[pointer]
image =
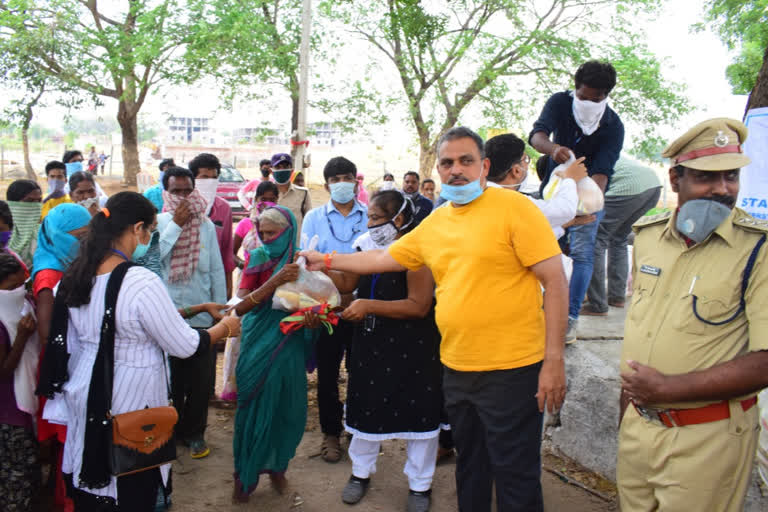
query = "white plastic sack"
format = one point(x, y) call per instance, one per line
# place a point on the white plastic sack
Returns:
point(312, 288)
point(567, 267)
point(590, 196)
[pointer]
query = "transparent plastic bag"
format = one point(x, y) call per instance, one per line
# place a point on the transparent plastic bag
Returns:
point(590, 196)
point(312, 288)
point(231, 354)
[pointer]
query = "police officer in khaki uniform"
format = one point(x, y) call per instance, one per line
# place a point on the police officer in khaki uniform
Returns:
point(696, 337)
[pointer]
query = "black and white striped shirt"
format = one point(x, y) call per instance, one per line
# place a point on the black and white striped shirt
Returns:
point(147, 323)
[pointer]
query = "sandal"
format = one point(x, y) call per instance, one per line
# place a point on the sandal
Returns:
point(330, 450)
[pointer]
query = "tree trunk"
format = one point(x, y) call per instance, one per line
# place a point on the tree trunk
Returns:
point(128, 120)
point(759, 95)
point(427, 156)
point(25, 145)
point(28, 113)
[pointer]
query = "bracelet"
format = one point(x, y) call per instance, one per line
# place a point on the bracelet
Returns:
point(254, 301)
point(327, 258)
point(187, 312)
point(229, 331)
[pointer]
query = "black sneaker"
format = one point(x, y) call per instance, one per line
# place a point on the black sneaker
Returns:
point(354, 490)
point(419, 501)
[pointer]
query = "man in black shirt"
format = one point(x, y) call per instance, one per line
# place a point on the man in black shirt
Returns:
point(582, 123)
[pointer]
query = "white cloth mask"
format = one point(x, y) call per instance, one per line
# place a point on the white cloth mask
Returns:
point(588, 114)
point(207, 188)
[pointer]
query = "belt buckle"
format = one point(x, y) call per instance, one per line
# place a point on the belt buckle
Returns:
point(654, 415)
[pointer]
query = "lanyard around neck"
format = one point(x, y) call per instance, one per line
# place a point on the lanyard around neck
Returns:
point(355, 229)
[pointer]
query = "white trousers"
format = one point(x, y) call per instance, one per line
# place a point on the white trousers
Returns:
point(419, 468)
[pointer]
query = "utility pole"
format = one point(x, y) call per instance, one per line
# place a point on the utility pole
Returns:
point(300, 136)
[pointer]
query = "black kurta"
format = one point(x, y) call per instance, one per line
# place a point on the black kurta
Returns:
point(395, 370)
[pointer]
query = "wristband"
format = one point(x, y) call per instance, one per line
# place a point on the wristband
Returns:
point(328, 259)
point(187, 312)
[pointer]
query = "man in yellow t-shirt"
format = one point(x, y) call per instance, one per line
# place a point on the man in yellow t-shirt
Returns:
point(490, 253)
point(56, 172)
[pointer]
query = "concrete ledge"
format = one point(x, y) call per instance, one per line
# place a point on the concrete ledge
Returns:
point(588, 428)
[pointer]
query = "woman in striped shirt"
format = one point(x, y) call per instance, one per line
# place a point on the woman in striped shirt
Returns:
point(146, 325)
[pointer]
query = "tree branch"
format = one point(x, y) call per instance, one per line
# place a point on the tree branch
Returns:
point(91, 5)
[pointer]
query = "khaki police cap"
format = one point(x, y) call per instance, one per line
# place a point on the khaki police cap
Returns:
point(714, 145)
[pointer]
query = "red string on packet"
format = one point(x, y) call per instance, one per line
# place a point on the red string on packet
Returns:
point(295, 321)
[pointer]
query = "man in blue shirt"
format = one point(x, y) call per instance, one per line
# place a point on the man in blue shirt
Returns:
point(337, 225)
point(191, 278)
point(422, 205)
point(581, 123)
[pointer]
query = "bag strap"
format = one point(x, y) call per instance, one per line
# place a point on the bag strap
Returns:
point(107, 340)
point(95, 470)
point(108, 330)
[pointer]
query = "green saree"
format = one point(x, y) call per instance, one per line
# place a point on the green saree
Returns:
point(271, 377)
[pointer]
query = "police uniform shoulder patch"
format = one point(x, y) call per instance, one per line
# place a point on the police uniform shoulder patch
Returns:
point(746, 221)
point(650, 220)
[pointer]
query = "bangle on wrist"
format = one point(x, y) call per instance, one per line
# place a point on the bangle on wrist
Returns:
point(328, 258)
point(253, 301)
point(187, 312)
point(229, 331)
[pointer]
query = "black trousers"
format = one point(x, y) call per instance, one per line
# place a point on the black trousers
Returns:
point(190, 389)
point(135, 493)
point(330, 352)
point(496, 424)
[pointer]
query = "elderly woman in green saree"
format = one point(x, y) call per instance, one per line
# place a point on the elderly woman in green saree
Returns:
point(270, 372)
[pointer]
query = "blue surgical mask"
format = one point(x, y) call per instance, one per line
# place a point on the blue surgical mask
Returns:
point(342, 192)
point(73, 167)
point(461, 194)
point(141, 250)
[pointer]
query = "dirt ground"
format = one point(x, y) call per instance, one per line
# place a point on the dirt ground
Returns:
point(315, 486)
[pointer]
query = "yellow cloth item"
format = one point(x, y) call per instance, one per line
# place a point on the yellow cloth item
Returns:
point(489, 303)
point(53, 203)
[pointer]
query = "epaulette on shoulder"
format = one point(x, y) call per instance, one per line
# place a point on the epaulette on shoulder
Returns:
point(650, 220)
point(746, 221)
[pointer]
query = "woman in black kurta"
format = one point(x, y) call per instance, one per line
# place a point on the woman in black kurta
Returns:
point(394, 389)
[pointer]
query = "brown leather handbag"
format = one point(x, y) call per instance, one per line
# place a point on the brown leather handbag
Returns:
point(142, 439)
